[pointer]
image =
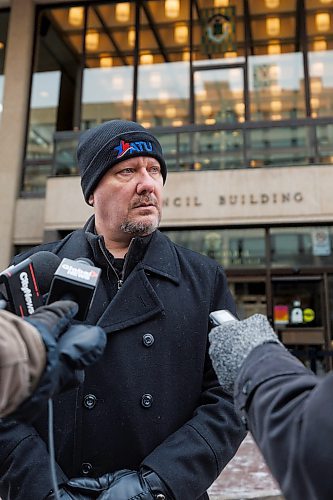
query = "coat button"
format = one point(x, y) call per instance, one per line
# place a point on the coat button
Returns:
point(246, 387)
point(89, 401)
point(86, 467)
point(148, 339)
point(147, 400)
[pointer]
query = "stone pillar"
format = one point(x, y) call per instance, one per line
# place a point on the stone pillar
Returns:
point(13, 123)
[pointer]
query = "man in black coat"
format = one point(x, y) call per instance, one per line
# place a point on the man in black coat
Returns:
point(150, 420)
point(287, 408)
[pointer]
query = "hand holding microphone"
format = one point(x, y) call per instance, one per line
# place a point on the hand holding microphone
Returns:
point(24, 285)
point(48, 337)
point(42, 354)
point(232, 341)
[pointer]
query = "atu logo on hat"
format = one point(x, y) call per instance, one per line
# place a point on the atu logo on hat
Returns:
point(132, 147)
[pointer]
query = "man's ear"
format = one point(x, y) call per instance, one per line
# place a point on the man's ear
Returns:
point(91, 200)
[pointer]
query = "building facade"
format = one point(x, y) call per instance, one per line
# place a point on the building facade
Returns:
point(240, 94)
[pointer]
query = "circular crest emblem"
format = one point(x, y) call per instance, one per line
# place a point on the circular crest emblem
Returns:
point(218, 28)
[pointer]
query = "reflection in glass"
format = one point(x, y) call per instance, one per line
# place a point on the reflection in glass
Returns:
point(35, 176)
point(219, 150)
point(106, 94)
point(163, 73)
point(306, 246)
point(321, 83)
point(231, 248)
point(276, 85)
point(107, 85)
point(54, 83)
point(43, 113)
point(297, 303)
point(163, 94)
point(250, 298)
point(280, 146)
point(219, 96)
point(325, 143)
point(65, 162)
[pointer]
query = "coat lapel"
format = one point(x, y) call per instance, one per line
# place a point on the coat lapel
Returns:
point(134, 303)
point(137, 300)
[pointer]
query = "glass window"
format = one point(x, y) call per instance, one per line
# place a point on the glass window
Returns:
point(276, 73)
point(54, 86)
point(319, 24)
point(299, 319)
point(321, 83)
point(107, 88)
point(273, 27)
point(280, 146)
point(304, 246)
point(250, 297)
point(163, 73)
point(297, 303)
point(325, 143)
point(65, 154)
point(231, 248)
point(217, 150)
point(219, 96)
point(276, 87)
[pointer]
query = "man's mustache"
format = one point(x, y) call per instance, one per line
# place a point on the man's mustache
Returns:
point(144, 201)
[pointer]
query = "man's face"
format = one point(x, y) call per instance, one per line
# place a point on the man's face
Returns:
point(128, 198)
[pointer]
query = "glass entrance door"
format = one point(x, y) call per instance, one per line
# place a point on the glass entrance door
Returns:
point(249, 295)
point(300, 318)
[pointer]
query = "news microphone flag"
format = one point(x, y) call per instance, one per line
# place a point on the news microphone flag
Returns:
point(75, 280)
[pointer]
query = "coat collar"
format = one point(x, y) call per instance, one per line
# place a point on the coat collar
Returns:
point(156, 251)
point(161, 258)
point(125, 310)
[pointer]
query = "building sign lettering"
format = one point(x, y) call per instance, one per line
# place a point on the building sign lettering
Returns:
point(260, 199)
point(178, 201)
point(236, 199)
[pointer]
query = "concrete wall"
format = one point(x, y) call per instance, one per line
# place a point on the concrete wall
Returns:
point(13, 124)
point(253, 196)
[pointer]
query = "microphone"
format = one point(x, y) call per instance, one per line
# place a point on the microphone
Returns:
point(220, 317)
point(75, 280)
point(19, 283)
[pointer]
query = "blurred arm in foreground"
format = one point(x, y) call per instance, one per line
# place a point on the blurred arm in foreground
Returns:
point(40, 356)
point(288, 409)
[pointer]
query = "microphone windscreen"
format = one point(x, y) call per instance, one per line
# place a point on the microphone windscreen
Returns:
point(45, 265)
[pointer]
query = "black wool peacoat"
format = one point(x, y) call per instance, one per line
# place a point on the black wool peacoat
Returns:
point(153, 399)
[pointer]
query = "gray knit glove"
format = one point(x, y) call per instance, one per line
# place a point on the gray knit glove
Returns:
point(231, 342)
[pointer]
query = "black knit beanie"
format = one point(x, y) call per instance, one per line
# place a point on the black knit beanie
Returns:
point(110, 143)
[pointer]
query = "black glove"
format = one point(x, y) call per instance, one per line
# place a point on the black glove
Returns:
point(124, 484)
point(64, 494)
point(68, 348)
